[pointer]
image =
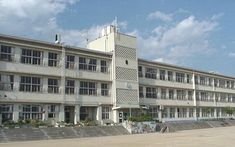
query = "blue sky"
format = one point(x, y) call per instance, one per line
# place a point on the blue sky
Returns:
point(192, 33)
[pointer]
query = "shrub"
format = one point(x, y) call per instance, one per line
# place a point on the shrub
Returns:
point(141, 118)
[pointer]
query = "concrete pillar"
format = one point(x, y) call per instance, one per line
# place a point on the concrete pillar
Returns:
point(158, 73)
point(176, 112)
point(76, 114)
point(44, 84)
point(17, 55)
point(115, 116)
point(174, 76)
point(15, 117)
point(187, 115)
point(195, 113)
point(215, 112)
point(16, 86)
point(61, 113)
point(45, 58)
point(200, 112)
point(99, 113)
point(45, 113)
point(160, 115)
point(175, 94)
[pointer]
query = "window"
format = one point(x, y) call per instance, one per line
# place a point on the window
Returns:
point(151, 73)
point(189, 77)
point(51, 111)
point(232, 85)
point(53, 86)
point(170, 75)
point(70, 86)
point(92, 65)
point(202, 80)
point(103, 66)
point(164, 112)
point(191, 112)
point(6, 53)
point(82, 63)
point(216, 83)
point(140, 71)
point(182, 112)
point(151, 92)
point(105, 112)
point(223, 97)
point(6, 112)
point(163, 93)
point(70, 61)
point(104, 89)
point(196, 79)
point(84, 113)
point(228, 84)
point(180, 77)
point(153, 112)
point(181, 95)
point(171, 94)
point(204, 96)
point(162, 74)
point(172, 112)
point(190, 95)
point(88, 88)
point(6, 82)
point(210, 81)
point(31, 112)
point(31, 56)
point(222, 83)
point(52, 59)
point(141, 92)
point(30, 84)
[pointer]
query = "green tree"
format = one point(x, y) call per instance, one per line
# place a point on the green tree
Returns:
point(229, 110)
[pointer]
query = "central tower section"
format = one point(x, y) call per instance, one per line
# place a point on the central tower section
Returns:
point(124, 66)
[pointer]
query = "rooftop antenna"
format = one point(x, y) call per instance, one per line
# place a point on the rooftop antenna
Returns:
point(116, 23)
point(87, 38)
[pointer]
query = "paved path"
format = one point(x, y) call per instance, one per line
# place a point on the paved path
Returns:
point(213, 137)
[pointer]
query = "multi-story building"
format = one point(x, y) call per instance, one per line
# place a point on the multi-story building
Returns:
point(56, 82)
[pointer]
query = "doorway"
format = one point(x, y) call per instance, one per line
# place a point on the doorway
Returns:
point(69, 114)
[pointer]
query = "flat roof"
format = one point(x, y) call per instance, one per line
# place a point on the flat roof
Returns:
point(184, 68)
point(58, 46)
point(54, 45)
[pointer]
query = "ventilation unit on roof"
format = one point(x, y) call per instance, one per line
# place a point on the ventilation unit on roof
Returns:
point(57, 38)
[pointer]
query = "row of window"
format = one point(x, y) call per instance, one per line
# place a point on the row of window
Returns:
point(208, 81)
point(151, 73)
point(35, 57)
point(173, 112)
point(27, 112)
point(180, 94)
point(152, 92)
point(34, 84)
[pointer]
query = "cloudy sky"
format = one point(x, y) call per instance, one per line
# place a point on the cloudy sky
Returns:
point(193, 33)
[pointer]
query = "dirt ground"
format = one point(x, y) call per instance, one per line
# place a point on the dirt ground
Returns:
point(213, 137)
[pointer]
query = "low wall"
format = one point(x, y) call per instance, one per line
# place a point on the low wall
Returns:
point(140, 127)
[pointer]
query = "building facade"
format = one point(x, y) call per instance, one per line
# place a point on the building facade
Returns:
point(107, 82)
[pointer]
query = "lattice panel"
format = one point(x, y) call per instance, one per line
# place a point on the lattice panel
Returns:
point(126, 74)
point(127, 96)
point(125, 52)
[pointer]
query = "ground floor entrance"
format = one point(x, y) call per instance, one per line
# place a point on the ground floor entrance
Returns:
point(69, 114)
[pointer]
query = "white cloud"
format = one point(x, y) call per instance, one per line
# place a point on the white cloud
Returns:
point(183, 40)
point(38, 19)
point(231, 54)
point(161, 16)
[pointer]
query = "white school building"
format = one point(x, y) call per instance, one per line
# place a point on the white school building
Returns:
point(105, 82)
